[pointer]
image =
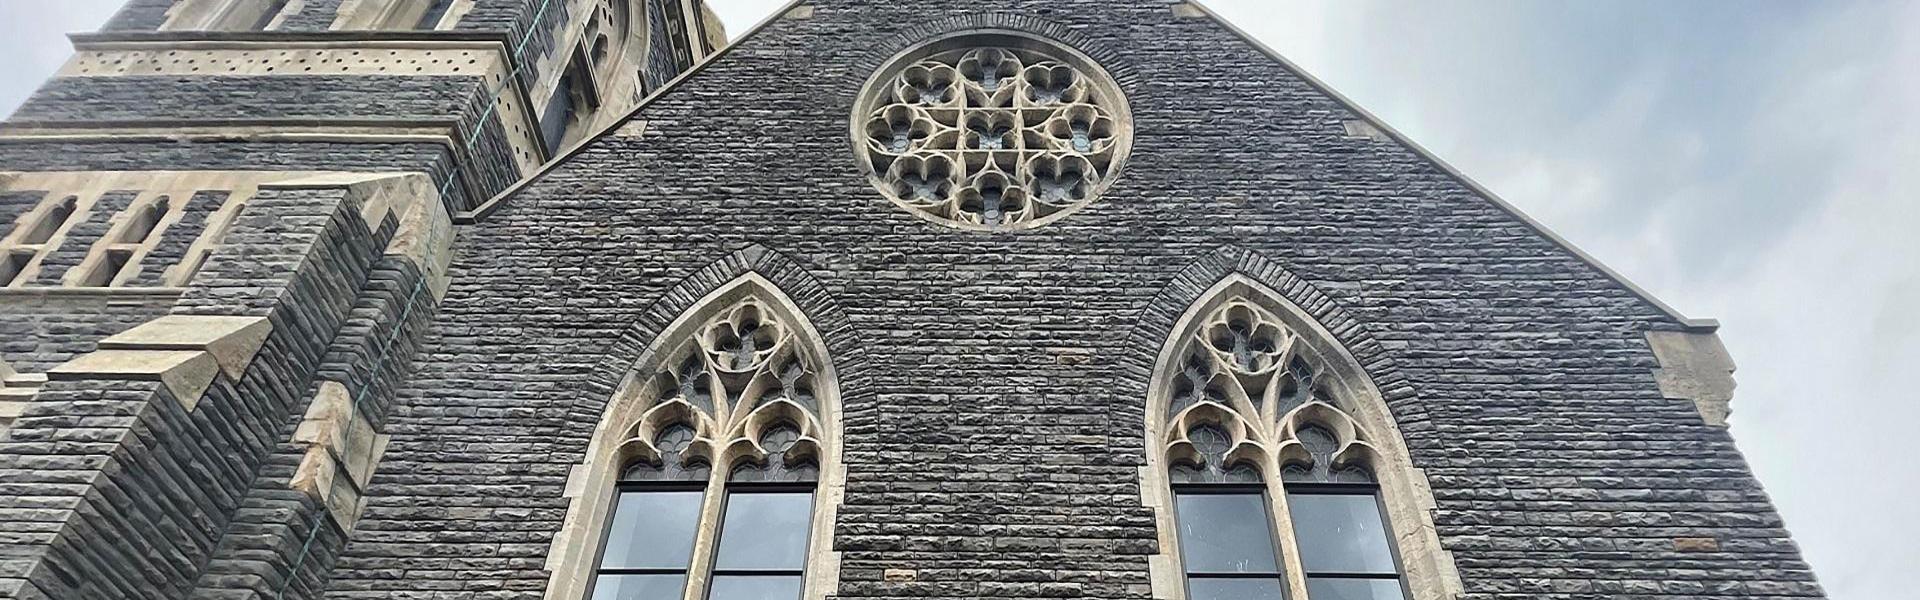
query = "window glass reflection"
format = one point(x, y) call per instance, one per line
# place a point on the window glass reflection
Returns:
point(652, 530)
point(1225, 533)
point(1341, 533)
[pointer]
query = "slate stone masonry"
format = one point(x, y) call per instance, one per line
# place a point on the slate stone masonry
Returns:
point(992, 383)
point(979, 463)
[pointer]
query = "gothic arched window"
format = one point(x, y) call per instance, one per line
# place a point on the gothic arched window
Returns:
point(716, 474)
point(992, 131)
point(1275, 469)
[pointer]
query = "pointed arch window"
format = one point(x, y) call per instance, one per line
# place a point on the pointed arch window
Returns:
point(719, 464)
point(1276, 469)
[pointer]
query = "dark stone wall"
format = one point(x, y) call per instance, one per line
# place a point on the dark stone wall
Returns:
point(230, 97)
point(533, 25)
point(140, 15)
point(112, 155)
point(39, 332)
point(480, 134)
point(128, 494)
point(278, 531)
point(975, 456)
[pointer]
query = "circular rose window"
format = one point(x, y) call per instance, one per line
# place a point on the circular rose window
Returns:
point(992, 132)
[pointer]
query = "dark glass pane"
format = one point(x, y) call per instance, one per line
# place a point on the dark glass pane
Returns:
point(1341, 533)
point(766, 531)
point(435, 12)
point(1225, 533)
point(755, 587)
point(639, 587)
point(1324, 588)
point(1233, 589)
point(652, 530)
point(553, 121)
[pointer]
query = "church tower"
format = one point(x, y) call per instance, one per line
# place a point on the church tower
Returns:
point(573, 299)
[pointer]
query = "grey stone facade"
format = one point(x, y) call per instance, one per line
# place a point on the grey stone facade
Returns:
point(993, 384)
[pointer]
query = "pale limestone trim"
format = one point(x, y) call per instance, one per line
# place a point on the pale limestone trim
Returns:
point(87, 187)
point(186, 373)
point(487, 60)
point(182, 351)
point(1372, 437)
point(709, 33)
point(380, 14)
point(553, 65)
point(425, 236)
point(380, 195)
point(616, 82)
point(223, 15)
point(232, 340)
point(574, 551)
point(10, 411)
point(343, 451)
point(1695, 367)
point(16, 393)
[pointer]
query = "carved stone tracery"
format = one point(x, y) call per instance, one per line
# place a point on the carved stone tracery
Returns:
point(992, 133)
point(1245, 397)
point(1252, 390)
point(738, 393)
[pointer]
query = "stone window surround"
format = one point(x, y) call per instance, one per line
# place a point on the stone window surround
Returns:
point(395, 14)
point(223, 15)
point(1429, 569)
point(85, 188)
point(591, 485)
point(616, 89)
point(1114, 100)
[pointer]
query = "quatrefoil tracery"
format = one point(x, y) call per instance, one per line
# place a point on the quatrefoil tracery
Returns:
point(1244, 399)
point(739, 393)
point(992, 137)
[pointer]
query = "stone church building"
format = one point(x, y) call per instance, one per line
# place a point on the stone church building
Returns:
point(903, 299)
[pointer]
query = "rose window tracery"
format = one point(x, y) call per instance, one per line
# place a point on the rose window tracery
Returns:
point(992, 133)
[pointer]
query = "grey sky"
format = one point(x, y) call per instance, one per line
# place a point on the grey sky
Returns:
point(1755, 162)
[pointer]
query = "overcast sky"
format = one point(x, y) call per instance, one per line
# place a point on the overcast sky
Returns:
point(1752, 161)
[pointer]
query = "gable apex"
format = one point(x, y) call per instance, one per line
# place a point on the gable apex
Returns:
point(1376, 127)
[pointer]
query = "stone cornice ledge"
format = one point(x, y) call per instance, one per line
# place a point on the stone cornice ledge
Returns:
point(184, 352)
point(1695, 366)
point(80, 40)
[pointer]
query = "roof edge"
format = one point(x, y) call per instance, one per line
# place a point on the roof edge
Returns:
point(481, 211)
point(484, 209)
point(1692, 324)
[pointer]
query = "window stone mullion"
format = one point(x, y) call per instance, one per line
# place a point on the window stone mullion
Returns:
point(706, 541)
point(1291, 562)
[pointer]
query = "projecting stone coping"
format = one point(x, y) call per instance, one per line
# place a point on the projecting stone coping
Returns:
point(343, 449)
point(231, 340)
point(186, 373)
point(184, 352)
point(1696, 367)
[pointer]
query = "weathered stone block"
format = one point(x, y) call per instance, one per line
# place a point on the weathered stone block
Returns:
point(233, 341)
point(186, 373)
